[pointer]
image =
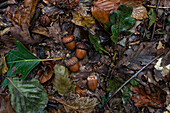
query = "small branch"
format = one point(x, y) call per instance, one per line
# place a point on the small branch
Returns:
point(50, 59)
point(53, 98)
point(159, 7)
point(132, 77)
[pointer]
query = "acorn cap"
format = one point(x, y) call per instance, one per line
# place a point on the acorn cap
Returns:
point(82, 46)
point(68, 39)
point(71, 61)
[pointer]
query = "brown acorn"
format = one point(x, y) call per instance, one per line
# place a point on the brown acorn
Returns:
point(45, 20)
point(69, 42)
point(92, 82)
point(73, 64)
point(81, 50)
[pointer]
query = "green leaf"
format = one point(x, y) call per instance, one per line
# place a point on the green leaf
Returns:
point(115, 35)
point(95, 40)
point(20, 61)
point(126, 11)
point(134, 82)
point(126, 91)
point(62, 83)
point(107, 25)
point(126, 94)
point(129, 22)
point(27, 96)
point(152, 16)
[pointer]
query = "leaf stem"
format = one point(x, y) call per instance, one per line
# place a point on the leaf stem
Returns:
point(50, 59)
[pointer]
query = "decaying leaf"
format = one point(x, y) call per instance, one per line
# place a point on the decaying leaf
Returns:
point(62, 83)
point(19, 62)
point(47, 73)
point(82, 18)
point(83, 104)
point(69, 4)
point(21, 17)
point(152, 96)
point(162, 67)
point(27, 96)
point(3, 66)
point(81, 92)
point(5, 104)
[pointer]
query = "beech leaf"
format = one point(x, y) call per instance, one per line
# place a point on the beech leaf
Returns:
point(20, 61)
point(62, 83)
point(27, 96)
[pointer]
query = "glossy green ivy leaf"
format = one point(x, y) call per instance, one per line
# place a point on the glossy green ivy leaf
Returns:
point(152, 16)
point(62, 83)
point(20, 61)
point(27, 96)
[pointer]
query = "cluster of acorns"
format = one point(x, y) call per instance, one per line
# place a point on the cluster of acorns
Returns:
point(73, 64)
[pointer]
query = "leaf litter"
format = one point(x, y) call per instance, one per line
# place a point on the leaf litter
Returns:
point(107, 57)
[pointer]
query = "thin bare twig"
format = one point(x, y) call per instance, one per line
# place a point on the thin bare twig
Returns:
point(53, 98)
point(154, 27)
point(132, 77)
point(160, 7)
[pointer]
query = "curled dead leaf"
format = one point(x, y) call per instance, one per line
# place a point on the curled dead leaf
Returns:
point(47, 73)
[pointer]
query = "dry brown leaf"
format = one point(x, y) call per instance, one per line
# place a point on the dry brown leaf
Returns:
point(101, 9)
point(152, 96)
point(82, 18)
point(83, 104)
point(47, 73)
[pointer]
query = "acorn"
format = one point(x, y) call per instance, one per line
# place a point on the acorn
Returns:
point(81, 50)
point(69, 42)
point(45, 20)
point(73, 64)
point(92, 82)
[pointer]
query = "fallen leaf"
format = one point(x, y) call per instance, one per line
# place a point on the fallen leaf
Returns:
point(162, 67)
point(3, 66)
point(81, 92)
point(83, 104)
point(69, 4)
point(47, 73)
point(82, 18)
point(62, 83)
point(5, 104)
point(23, 63)
point(139, 11)
point(152, 96)
point(152, 16)
point(27, 96)
point(101, 9)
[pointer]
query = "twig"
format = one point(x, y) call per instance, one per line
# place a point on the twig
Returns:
point(53, 98)
point(154, 27)
point(132, 77)
point(160, 7)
